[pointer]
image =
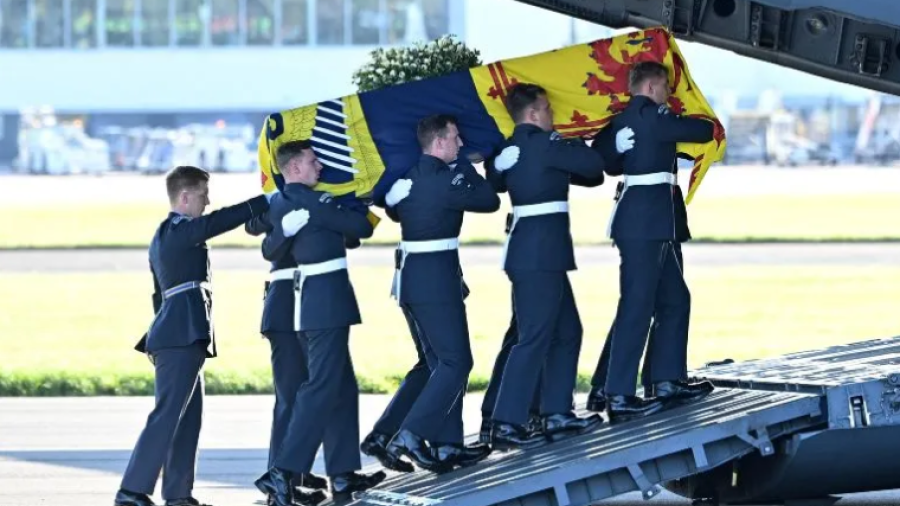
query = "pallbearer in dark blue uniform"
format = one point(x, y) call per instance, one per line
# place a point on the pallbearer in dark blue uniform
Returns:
point(289, 353)
point(428, 281)
point(538, 255)
point(326, 410)
point(495, 177)
point(496, 169)
point(375, 443)
point(611, 144)
point(648, 224)
point(180, 338)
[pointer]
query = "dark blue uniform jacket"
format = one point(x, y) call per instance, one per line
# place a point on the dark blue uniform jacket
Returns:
point(654, 212)
point(328, 299)
point(434, 210)
point(547, 165)
point(179, 254)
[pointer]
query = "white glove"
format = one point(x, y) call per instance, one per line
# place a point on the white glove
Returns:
point(398, 192)
point(624, 139)
point(507, 158)
point(294, 221)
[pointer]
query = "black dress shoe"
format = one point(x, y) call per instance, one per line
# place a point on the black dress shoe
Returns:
point(596, 400)
point(484, 435)
point(681, 392)
point(461, 455)
point(128, 498)
point(407, 444)
point(375, 445)
point(510, 436)
point(622, 408)
point(535, 424)
point(561, 425)
point(343, 485)
point(311, 481)
point(308, 480)
point(185, 501)
point(285, 494)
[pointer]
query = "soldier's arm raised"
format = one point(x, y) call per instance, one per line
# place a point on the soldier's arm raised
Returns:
point(392, 213)
point(466, 190)
point(331, 215)
point(573, 157)
point(190, 232)
point(670, 127)
point(472, 174)
point(495, 177)
point(258, 225)
point(276, 245)
point(589, 182)
point(605, 144)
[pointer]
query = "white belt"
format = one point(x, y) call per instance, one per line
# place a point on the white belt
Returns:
point(407, 247)
point(282, 274)
point(528, 211)
point(183, 287)
point(303, 271)
point(653, 178)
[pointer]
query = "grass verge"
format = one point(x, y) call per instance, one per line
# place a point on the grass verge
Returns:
point(77, 339)
point(756, 218)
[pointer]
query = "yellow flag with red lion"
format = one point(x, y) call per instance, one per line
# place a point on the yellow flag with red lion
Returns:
point(368, 140)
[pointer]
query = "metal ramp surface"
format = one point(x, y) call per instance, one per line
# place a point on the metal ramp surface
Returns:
point(859, 382)
point(859, 388)
point(634, 456)
point(813, 371)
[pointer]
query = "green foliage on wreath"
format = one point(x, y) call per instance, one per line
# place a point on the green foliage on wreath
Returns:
point(441, 56)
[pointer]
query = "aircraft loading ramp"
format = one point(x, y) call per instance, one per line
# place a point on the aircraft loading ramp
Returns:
point(801, 426)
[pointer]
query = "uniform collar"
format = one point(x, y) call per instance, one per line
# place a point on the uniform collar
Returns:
point(433, 161)
point(642, 100)
point(176, 216)
point(296, 189)
point(527, 128)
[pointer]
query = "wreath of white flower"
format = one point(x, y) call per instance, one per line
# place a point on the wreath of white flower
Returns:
point(388, 67)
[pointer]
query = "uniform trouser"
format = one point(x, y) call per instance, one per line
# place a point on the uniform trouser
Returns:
point(326, 409)
point(651, 285)
point(550, 336)
point(289, 371)
point(490, 396)
point(169, 440)
point(443, 330)
point(409, 389)
point(602, 370)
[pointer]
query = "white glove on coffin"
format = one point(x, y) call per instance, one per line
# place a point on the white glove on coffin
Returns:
point(294, 221)
point(624, 139)
point(399, 191)
point(507, 158)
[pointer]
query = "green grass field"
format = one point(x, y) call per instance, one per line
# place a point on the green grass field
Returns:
point(79, 340)
point(737, 218)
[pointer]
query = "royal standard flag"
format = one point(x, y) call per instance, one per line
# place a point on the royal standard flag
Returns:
point(367, 141)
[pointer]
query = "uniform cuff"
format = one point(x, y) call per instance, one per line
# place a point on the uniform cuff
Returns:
point(258, 205)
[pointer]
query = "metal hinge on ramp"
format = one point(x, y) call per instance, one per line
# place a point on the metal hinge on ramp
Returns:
point(648, 490)
point(761, 442)
point(384, 498)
